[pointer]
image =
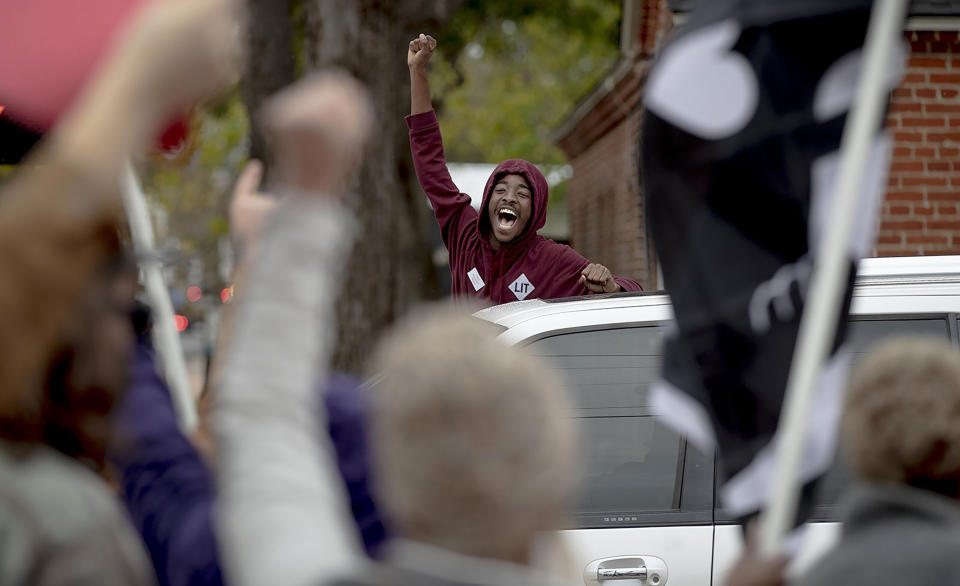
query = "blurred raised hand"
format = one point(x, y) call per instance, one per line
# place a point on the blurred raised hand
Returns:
point(172, 55)
point(318, 128)
point(183, 51)
point(249, 207)
point(753, 569)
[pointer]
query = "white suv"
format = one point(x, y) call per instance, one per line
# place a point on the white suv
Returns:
point(648, 507)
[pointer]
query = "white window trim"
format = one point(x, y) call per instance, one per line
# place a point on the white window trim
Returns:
point(933, 23)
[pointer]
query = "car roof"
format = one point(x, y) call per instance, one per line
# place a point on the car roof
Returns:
point(884, 285)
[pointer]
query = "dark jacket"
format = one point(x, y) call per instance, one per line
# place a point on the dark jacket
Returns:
point(530, 266)
point(169, 490)
point(893, 531)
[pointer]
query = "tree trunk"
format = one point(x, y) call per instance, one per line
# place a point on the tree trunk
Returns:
point(390, 267)
point(269, 62)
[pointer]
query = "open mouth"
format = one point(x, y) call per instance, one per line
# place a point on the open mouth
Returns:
point(506, 218)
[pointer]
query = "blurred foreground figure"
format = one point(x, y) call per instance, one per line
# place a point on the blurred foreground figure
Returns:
point(473, 454)
point(66, 299)
point(753, 569)
point(169, 489)
point(901, 437)
point(473, 450)
point(282, 514)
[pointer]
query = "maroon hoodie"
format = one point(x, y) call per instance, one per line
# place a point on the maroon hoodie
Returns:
point(528, 267)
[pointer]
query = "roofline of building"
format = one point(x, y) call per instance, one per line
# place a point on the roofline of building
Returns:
point(620, 69)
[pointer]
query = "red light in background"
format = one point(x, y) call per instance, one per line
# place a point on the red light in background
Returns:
point(194, 294)
point(226, 294)
point(180, 322)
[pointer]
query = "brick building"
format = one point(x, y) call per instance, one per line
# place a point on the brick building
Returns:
point(921, 214)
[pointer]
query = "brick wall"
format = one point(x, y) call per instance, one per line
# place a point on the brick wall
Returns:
point(605, 205)
point(606, 210)
point(921, 214)
point(656, 20)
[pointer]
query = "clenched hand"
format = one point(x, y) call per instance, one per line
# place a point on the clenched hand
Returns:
point(598, 279)
point(420, 50)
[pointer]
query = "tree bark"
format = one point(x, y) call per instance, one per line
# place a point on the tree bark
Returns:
point(270, 62)
point(391, 266)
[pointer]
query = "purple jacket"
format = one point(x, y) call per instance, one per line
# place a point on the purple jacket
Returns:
point(529, 267)
point(169, 491)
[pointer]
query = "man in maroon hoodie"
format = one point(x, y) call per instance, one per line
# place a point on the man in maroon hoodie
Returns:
point(495, 254)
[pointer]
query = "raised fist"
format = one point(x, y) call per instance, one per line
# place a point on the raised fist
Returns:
point(180, 52)
point(319, 127)
point(420, 50)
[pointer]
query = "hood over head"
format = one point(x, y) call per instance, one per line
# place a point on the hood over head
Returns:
point(538, 183)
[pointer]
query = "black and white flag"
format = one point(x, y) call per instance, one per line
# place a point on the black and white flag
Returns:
point(739, 154)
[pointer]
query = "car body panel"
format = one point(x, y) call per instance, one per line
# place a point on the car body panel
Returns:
point(687, 551)
point(815, 540)
point(920, 294)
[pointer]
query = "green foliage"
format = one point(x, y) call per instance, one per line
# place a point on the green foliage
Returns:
point(507, 73)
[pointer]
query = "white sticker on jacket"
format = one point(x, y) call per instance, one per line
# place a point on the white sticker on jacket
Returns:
point(522, 287)
point(474, 275)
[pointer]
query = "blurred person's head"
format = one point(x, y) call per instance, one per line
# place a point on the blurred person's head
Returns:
point(472, 444)
point(901, 419)
point(87, 373)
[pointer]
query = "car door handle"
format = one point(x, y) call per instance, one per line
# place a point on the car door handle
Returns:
point(649, 570)
point(622, 573)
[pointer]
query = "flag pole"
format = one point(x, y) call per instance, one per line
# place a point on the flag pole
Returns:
point(830, 272)
point(164, 333)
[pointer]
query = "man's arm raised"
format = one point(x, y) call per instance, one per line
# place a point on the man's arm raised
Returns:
point(282, 514)
point(59, 213)
point(450, 206)
point(418, 54)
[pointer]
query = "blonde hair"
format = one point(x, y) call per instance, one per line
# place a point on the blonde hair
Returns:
point(473, 445)
point(902, 414)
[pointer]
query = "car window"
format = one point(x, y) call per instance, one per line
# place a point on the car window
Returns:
point(634, 470)
point(863, 336)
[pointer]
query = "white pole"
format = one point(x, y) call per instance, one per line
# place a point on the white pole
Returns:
point(830, 271)
point(165, 338)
